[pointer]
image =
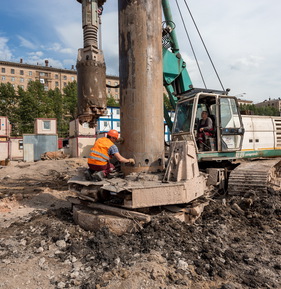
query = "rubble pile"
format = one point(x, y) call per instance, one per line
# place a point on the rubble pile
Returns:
point(234, 244)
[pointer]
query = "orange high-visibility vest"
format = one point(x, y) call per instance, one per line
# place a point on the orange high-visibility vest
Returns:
point(99, 152)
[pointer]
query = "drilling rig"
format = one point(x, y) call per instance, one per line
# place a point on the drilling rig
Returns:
point(146, 184)
point(149, 58)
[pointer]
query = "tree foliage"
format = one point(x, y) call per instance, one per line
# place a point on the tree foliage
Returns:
point(167, 102)
point(111, 101)
point(9, 103)
point(259, 110)
point(22, 107)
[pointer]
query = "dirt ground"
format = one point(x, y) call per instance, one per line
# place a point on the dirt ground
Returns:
point(236, 243)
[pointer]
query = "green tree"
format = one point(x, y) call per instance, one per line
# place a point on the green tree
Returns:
point(34, 103)
point(56, 100)
point(111, 101)
point(167, 102)
point(259, 110)
point(9, 105)
point(70, 100)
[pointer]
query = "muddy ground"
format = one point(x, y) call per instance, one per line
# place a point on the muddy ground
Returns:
point(236, 243)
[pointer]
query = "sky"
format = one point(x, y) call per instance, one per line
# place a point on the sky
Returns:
point(242, 37)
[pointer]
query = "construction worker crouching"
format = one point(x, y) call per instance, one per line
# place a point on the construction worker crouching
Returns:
point(100, 154)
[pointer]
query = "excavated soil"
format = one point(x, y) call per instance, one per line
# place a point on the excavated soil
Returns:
point(234, 244)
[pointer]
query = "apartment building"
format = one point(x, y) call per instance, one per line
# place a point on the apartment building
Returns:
point(243, 101)
point(19, 74)
point(112, 89)
point(276, 103)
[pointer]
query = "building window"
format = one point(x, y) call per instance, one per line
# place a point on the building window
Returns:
point(12, 79)
point(56, 84)
point(3, 70)
point(109, 82)
point(72, 78)
point(46, 88)
point(3, 77)
point(64, 84)
point(42, 80)
point(116, 96)
point(21, 144)
point(12, 71)
point(21, 86)
point(21, 72)
point(21, 79)
point(64, 77)
point(109, 89)
point(56, 76)
point(42, 73)
point(116, 89)
point(116, 83)
point(46, 125)
point(29, 79)
point(30, 73)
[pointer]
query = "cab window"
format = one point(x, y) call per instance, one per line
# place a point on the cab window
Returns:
point(183, 116)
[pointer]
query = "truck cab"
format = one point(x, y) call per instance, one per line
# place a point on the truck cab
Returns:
point(227, 131)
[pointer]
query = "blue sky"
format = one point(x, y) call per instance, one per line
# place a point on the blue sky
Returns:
point(242, 36)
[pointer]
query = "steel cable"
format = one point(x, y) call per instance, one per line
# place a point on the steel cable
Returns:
point(193, 51)
point(201, 41)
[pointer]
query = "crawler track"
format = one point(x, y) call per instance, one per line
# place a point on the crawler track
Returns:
point(257, 175)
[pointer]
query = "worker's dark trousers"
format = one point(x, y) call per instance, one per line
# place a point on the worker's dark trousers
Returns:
point(106, 169)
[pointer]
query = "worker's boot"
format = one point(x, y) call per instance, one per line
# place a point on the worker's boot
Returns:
point(88, 175)
point(112, 175)
point(98, 176)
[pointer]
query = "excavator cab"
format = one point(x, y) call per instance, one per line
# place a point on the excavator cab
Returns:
point(227, 129)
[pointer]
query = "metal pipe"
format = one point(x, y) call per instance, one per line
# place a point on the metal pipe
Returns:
point(141, 84)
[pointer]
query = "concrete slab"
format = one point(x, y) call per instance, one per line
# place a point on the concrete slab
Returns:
point(94, 220)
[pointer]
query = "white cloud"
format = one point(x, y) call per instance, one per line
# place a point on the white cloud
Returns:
point(26, 43)
point(57, 47)
point(36, 54)
point(5, 52)
point(246, 63)
point(71, 34)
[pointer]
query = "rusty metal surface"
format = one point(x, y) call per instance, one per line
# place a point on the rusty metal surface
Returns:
point(141, 84)
point(167, 194)
point(143, 190)
point(91, 69)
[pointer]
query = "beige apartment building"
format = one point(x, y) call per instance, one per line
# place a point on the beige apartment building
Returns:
point(19, 74)
point(271, 102)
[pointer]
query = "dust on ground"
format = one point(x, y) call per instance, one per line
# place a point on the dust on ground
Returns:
point(234, 244)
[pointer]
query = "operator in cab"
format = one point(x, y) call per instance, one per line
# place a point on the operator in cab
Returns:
point(100, 154)
point(204, 129)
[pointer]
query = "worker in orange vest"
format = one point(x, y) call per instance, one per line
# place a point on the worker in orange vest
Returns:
point(100, 154)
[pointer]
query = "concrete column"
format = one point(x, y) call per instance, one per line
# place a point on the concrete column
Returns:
point(141, 84)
